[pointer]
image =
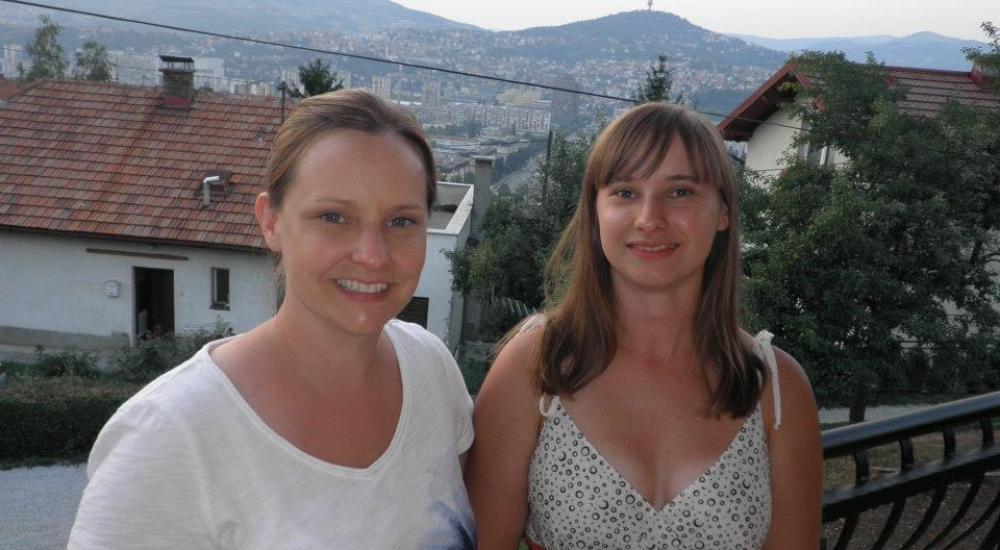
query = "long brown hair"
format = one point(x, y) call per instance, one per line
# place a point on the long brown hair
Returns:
point(579, 338)
point(319, 115)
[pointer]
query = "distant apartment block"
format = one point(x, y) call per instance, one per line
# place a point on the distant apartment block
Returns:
point(565, 105)
point(210, 74)
point(11, 56)
point(128, 68)
point(431, 94)
point(382, 86)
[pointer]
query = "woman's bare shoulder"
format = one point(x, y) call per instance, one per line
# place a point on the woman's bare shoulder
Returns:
point(515, 365)
point(793, 380)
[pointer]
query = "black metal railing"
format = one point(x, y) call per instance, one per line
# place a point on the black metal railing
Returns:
point(953, 469)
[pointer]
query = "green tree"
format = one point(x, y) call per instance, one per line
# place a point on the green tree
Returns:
point(317, 78)
point(472, 127)
point(877, 273)
point(520, 229)
point(658, 84)
point(48, 59)
point(989, 59)
point(92, 62)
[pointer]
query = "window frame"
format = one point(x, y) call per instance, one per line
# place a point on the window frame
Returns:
point(217, 301)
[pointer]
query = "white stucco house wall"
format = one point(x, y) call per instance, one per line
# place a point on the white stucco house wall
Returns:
point(766, 124)
point(66, 291)
point(63, 291)
point(449, 230)
point(109, 232)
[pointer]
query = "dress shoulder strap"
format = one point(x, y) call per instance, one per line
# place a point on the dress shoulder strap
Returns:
point(547, 411)
point(764, 350)
point(532, 322)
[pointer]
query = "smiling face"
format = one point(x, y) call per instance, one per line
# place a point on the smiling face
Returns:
point(351, 229)
point(657, 226)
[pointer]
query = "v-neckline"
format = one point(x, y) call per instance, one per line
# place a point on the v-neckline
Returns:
point(744, 428)
point(289, 448)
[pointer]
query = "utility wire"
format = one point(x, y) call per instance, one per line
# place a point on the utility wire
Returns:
point(456, 72)
point(148, 69)
point(320, 50)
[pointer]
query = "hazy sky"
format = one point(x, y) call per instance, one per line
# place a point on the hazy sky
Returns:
point(771, 18)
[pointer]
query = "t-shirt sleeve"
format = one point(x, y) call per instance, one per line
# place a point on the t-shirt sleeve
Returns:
point(457, 395)
point(145, 488)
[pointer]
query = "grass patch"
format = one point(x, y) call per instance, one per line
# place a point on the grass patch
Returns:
point(473, 372)
point(15, 369)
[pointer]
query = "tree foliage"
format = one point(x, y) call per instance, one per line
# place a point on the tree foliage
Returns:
point(520, 230)
point(48, 59)
point(880, 273)
point(988, 59)
point(317, 78)
point(658, 84)
point(92, 62)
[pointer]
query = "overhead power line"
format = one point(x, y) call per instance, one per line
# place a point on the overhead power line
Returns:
point(319, 50)
point(457, 72)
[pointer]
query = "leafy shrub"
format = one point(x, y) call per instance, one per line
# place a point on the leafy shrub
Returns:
point(66, 362)
point(56, 417)
point(498, 317)
point(473, 372)
point(150, 358)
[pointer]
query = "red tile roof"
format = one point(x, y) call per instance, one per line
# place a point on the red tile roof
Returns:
point(109, 160)
point(8, 88)
point(927, 92)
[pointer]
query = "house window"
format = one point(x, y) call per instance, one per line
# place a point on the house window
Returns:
point(415, 311)
point(220, 288)
point(814, 155)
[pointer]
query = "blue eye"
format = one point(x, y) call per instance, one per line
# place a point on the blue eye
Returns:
point(332, 217)
point(401, 222)
point(681, 193)
point(625, 194)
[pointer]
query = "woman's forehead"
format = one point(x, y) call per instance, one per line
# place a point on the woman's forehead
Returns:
point(649, 156)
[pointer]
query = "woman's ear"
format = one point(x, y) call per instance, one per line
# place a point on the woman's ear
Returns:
point(267, 219)
point(723, 217)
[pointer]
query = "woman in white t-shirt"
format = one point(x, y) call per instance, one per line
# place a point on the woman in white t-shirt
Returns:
point(331, 425)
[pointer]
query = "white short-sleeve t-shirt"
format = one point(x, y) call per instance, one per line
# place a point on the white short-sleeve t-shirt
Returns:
point(186, 463)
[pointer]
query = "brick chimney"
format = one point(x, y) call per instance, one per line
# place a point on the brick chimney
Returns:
point(482, 193)
point(178, 81)
point(983, 75)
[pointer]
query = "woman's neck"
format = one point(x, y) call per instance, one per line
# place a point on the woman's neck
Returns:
point(318, 352)
point(658, 327)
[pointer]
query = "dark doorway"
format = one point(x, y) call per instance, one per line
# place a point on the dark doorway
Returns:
point(415, 311)
point(154, 302)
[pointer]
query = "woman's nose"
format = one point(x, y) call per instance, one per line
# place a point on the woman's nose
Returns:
point(370, 248)
point(651, 215)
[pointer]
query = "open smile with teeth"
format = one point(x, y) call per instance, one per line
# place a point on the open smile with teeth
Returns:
point(654, 247)
point(361, 288)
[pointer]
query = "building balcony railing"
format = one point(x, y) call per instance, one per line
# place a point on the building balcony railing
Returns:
point(966, 518)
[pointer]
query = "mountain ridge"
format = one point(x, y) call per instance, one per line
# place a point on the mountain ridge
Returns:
point(924, 49)
point(254, 16)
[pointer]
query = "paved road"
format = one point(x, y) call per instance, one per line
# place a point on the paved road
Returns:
point(840, 414)
point(38, 505)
